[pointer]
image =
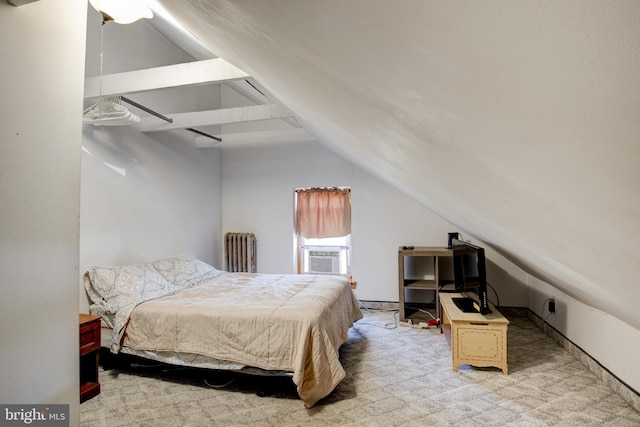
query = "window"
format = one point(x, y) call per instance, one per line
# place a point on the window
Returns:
point(322, 221)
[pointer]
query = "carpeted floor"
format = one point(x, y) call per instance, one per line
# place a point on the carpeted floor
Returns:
point(396, 376)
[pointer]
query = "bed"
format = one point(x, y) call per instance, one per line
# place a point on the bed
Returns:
point(183, 311)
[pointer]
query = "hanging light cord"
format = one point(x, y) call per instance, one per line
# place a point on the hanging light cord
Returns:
point(101, 64)
point(101, 55)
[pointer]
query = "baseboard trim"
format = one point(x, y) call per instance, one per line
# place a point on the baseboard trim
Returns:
point(379, 305)
point(630, 395)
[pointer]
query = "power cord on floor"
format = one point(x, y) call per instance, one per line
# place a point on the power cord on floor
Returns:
point(221, 385)
point(422, 311)
point(417, 323)
point(395, 312)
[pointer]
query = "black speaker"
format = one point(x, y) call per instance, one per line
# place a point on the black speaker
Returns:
point(451, 237)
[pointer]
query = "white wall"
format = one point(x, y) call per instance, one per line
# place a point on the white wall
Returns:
point(146, 196)
point(42, 61)
point(258, 185)
point(610, 341)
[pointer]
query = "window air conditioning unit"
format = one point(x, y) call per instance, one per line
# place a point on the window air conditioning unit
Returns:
point(324, 262)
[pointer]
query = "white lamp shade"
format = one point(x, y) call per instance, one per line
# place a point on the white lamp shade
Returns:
point(122, 11)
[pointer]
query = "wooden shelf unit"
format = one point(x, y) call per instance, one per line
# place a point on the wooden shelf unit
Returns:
point(89, 349)
point(433, 283)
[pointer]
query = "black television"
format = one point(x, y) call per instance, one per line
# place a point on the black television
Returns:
point(470, 275)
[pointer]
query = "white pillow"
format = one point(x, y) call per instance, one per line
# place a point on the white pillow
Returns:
point(121, 285)
point(182, 271)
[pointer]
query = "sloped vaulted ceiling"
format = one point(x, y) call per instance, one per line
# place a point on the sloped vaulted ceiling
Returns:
point(519, 122)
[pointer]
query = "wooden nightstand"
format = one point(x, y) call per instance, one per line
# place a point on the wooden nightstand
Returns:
point(89, 349)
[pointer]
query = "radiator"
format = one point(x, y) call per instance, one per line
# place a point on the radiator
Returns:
point(240, 252)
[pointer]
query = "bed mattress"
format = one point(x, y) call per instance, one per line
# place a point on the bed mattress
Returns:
point(274, 322)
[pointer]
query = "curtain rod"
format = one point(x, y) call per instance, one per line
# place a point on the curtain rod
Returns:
point(165, 118)
point(346, 189)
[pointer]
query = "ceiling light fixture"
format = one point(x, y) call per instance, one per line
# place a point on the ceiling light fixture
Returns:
point(122, 11)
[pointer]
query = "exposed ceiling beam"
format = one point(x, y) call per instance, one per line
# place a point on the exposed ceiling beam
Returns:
point(252, 90)
point(208, 71)
point(214, 117)
point(256, 138)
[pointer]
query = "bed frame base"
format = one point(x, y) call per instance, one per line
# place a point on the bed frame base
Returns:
point(131, 363)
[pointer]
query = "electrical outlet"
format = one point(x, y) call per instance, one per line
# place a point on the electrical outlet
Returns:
point(552, 305)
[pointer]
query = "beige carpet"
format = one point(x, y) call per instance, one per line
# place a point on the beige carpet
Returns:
point(396, 376)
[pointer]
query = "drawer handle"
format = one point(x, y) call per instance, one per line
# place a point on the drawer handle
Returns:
point(479, 324)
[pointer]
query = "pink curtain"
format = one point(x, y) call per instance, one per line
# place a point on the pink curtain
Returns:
point(323, 212)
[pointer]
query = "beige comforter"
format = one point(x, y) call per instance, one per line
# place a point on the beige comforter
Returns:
point(294, 323)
